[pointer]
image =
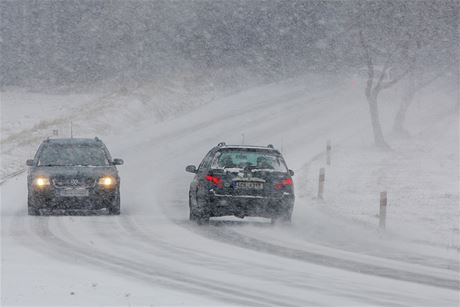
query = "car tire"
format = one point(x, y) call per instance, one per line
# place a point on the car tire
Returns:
point(115, 208)
point(200, 217)
point(31, 210)
point(203, 220)
point(192, 215)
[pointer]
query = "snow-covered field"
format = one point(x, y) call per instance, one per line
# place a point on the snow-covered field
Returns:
point(333, 254)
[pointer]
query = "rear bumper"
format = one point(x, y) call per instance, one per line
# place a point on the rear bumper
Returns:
point(247, 205)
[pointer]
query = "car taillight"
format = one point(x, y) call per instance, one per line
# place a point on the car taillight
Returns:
point(285, 182)
point(214, 180)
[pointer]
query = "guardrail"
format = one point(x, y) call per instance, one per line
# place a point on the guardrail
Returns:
point(11, 175)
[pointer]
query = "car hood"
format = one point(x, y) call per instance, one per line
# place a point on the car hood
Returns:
point(74, 171)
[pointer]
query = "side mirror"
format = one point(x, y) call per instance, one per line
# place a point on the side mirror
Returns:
point(291, 172)
point(118, 162)
point(30, 162)
point(191, 169)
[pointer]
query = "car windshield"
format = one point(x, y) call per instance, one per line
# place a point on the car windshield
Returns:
point(72, 155)
point(249, 158)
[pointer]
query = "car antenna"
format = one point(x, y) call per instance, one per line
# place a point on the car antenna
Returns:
point(71, 130)
point(242, 138)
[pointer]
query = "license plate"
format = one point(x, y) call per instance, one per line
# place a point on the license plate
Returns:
point(249, 185)
point(74, 193)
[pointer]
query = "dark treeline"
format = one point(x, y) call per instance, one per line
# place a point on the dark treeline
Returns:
point(61, 42)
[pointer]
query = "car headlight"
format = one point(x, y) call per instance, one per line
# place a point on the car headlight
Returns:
point(106, 181)
point(41, 181)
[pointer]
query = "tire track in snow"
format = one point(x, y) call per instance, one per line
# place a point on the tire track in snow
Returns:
point(292, 280)
point(149, 245)
point(149, 273)
point(219, 232)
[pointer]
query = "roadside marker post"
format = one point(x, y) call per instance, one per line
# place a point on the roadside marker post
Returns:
point(383, 209)
point(322, 178)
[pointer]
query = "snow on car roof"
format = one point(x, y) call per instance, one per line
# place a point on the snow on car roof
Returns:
point(73, 141)
point(248, 147)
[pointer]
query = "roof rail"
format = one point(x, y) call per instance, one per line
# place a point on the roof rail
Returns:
point(221, 144)
point(271, 146)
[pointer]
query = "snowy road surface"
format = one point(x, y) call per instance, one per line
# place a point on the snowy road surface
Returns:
point(151, 254)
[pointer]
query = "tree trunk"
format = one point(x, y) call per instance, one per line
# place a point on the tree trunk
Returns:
point(398, 125)
point(376, 127)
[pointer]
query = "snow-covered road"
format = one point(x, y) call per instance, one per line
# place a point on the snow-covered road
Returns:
point(152, 255)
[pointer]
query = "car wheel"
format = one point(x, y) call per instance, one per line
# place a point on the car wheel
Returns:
point(192, 215)
point(31, 210)
point(198, 217)
point(115, 208)
point(201, 217)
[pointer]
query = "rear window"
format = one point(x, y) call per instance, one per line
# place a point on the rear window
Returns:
point(249, 158)
point(72, 155)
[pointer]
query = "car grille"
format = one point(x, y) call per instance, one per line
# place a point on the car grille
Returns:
point(74, 182)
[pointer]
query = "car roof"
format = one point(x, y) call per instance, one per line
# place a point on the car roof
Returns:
point(266, 148)
point(78, 141)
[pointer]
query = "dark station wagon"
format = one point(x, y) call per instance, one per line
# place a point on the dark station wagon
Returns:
point(241, 180)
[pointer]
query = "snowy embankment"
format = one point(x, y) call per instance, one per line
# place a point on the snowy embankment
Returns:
point(419, 174)
point(28, 117)
point(333, 254)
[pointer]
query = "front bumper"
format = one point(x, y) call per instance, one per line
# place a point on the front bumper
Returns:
point(248, 205)
point(48, 200)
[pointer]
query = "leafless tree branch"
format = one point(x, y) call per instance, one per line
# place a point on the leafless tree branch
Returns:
point(370, 65)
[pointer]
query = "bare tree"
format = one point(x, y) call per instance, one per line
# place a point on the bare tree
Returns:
point(374, 85)
point(436, 54)
point(387, 43)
